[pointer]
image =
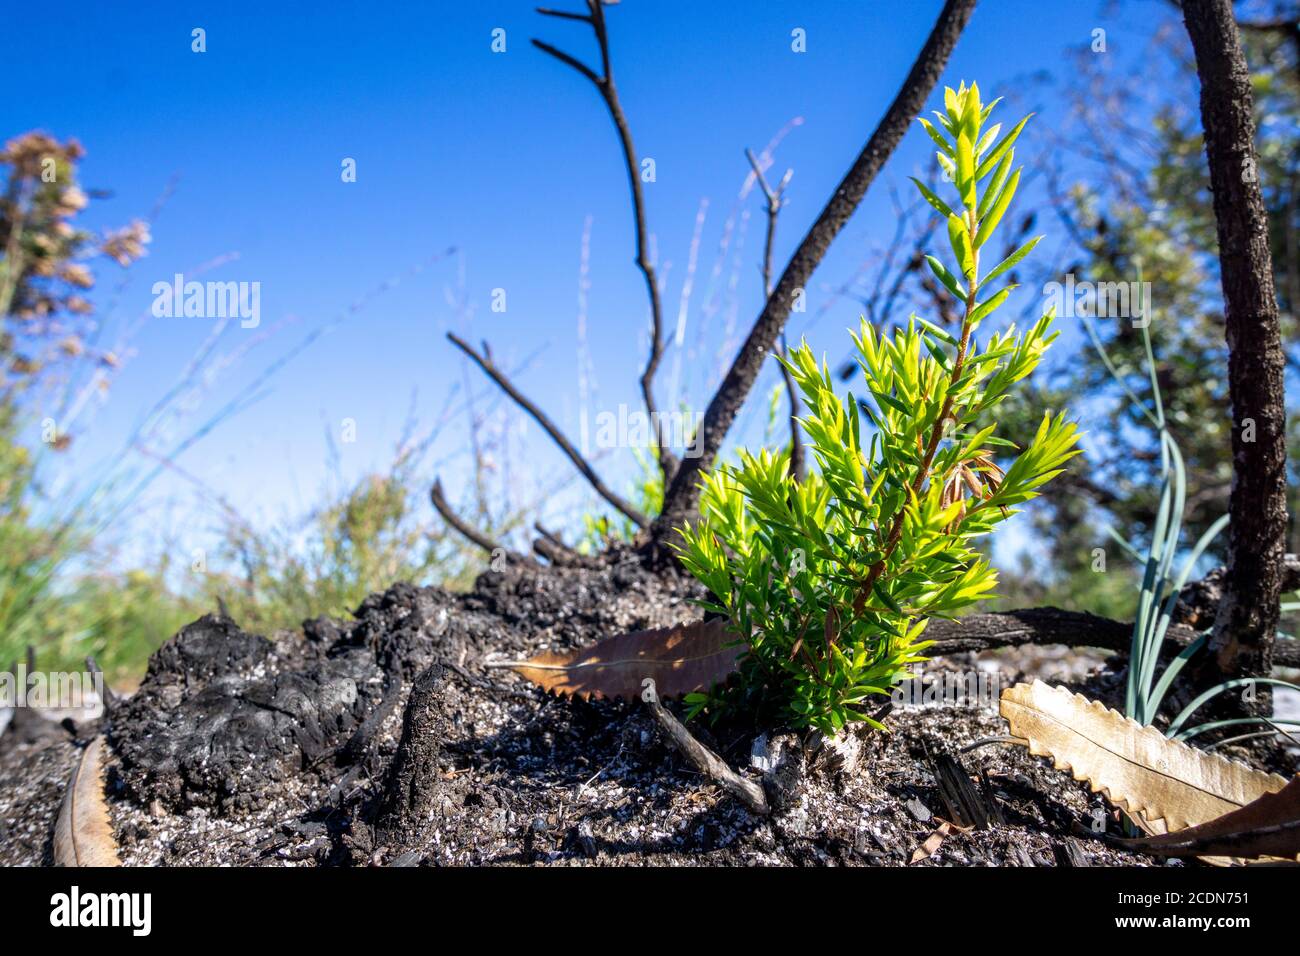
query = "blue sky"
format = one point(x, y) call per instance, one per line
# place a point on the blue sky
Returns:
point(502, 156)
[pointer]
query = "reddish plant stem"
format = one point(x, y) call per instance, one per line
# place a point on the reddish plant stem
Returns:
point(936, 433)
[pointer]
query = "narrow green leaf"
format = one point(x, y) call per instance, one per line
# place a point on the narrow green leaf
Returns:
point(885, 598)
point(947, 278)
point(931, 198)
point(936, 350)
point(995, 155)
point(988, 305)
point(965, 169)
point(990, 222)
point(935, 135)
point(891, 401)
point(960, 239)
point(938, 331)
point(989, 135)
point(1011, 261)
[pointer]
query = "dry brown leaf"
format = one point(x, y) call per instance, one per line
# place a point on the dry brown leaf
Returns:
point(83, 833)
point(1164, 785)
point(1268, 827)
point(932, 843)
point(680, 660)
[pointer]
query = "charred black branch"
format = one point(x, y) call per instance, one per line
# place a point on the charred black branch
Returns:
point(1049, 625)
point(775, 200)
point(465, 528)
point(604, 83)
point(485, 362)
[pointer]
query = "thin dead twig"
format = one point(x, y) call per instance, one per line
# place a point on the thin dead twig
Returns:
point(747, 791)
point(467, 530)
point(775, 200)
point(604, 83)
point(485, 362)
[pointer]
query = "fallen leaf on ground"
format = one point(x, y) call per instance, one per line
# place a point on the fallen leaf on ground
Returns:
point(1164, 785)
point(1268, 827)
point(83, 833)
point(932, 843)
point(680, 660)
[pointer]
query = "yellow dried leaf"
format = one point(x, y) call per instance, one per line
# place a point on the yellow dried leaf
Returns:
point(1163, 784)
point(83, 833)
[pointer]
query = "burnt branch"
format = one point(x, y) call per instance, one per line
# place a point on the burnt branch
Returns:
point(467, 530)
point(604, 83)
point(552, 537)
point(748, 792)
point(682, 495)
point(775, 200)
point(1049, 625)
point(552, 547)
point(415, 779)
point(485, 362)
point(572, 61)
point(563, 14)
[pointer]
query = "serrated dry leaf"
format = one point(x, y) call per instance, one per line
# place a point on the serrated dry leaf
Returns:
point(1268, 827)
point(1164, 785)
point(680, 660)
point(83, 833)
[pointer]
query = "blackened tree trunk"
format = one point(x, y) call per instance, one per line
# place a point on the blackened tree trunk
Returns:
point(1248, 615)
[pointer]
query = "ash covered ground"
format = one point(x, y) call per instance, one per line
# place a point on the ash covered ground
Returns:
point(242, 750)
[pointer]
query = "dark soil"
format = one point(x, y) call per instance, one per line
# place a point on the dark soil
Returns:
point(315, 749)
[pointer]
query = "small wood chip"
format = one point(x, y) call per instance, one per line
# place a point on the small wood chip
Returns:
point(932, 843)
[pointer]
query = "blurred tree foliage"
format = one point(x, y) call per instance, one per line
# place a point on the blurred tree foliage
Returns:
point(1130, 186)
